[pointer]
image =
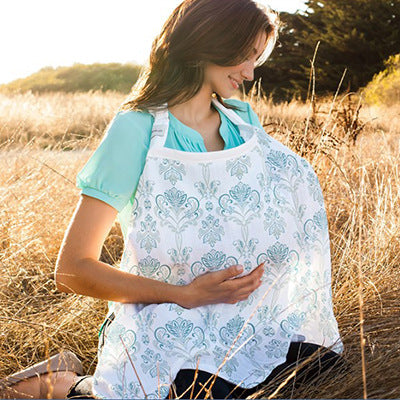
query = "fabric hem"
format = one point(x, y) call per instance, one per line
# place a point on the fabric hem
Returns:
point(210, 155)
point(91, 192)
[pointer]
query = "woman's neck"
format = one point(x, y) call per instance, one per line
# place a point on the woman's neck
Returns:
point(196, 110)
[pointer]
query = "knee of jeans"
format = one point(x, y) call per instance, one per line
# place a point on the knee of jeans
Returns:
point(310, 356)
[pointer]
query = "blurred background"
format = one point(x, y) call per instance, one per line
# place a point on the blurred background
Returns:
point(52, 45)
point(48, 33)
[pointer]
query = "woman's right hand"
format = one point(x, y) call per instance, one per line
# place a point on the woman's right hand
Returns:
point(219, 287)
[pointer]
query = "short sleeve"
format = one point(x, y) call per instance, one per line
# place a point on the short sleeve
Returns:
point(245, 112)
point(112, 172)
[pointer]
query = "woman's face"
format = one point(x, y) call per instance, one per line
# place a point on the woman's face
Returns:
point(225, 80)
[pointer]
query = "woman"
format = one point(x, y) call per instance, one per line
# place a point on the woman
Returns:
point(226, 264)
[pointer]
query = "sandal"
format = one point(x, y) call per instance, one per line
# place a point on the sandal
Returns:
point(64, 361)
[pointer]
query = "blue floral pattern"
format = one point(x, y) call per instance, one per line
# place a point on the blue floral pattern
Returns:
point(148, 235)
point(314, 187)
point(211, 231)
point(191, 216)
point(241, 206)
point(207, 187)
point(176, 209)
point(212, 261)
point(152, 268)
point(172, 170)
point(181, 338)
point(292, 323)
point(273, 223)
point(234, 327)
point(239, 166)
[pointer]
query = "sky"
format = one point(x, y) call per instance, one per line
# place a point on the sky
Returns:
point(39, 33)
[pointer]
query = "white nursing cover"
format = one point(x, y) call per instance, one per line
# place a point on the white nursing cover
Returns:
point(200, 212)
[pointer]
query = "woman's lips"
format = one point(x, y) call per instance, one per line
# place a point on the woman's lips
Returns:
point(235, 83)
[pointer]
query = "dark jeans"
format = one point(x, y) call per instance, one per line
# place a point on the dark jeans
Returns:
point(309, 360)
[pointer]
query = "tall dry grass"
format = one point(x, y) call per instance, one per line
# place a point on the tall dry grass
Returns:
point(55, 120)
point(361, 184)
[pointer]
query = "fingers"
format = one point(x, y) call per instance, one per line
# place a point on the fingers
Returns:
point(254, 275)
point(259, 270)
point(247, 288)
point(224, 286)
point(229, 273)
point(241, 288)
point(235, 270)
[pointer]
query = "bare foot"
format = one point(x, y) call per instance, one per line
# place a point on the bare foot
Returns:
point(55, 385)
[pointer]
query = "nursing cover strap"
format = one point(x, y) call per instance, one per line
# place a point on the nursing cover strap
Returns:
point(161, 123)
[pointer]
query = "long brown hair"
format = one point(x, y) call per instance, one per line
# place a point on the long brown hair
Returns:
point(198, 32)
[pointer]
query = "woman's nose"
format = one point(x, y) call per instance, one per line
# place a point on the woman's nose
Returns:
point(248, 70)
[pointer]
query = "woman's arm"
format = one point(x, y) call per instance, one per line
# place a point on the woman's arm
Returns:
point(79, 270)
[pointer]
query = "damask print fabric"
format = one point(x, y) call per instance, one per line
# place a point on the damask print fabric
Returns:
point(200, 212)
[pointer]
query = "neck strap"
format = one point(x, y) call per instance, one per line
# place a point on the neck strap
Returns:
point(161, 123)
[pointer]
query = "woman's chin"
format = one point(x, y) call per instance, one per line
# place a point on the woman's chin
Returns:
point(226, 94)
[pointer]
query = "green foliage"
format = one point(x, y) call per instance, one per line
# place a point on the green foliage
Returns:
point(78, 78)
point(357, 35)
point(385, 86)
point(284, 69)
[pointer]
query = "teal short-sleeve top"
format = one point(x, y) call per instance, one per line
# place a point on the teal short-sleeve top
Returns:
point(112, 172)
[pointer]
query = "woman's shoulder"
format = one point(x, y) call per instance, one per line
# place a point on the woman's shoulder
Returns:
point(133, 119)
point(129, 128)
point(245, 111)
point(112, 172)
point(241, 106)
point(275, 146)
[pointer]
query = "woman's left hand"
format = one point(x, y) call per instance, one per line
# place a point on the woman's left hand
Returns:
point(219, 287)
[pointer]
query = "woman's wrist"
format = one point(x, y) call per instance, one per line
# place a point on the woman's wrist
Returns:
point(182, 296)
point(151, 291)
point(177, 294)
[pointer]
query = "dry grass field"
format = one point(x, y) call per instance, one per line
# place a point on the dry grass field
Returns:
point(45, 140)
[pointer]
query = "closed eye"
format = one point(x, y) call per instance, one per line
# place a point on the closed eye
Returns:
point(254, 52)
